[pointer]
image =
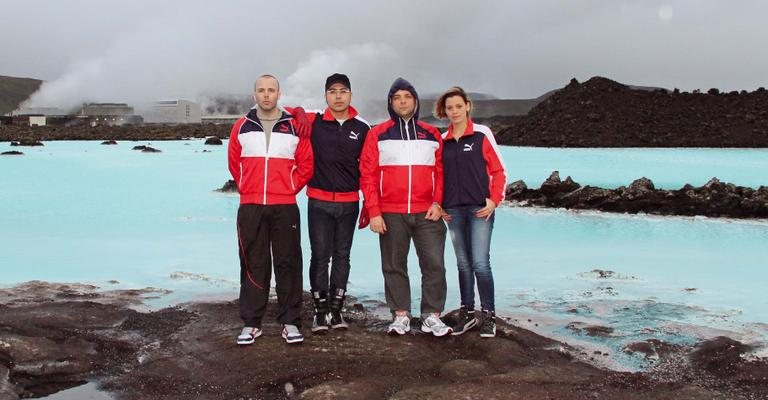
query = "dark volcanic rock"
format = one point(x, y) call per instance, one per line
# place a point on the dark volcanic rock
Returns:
point(590, 330)
point(714, 199)
point(189, 352)
point(720, 356)
point(213, 140)
point(11, 153)
point(229, 187)
point(140, 147)
point(27, 142)
point(108, 142)
point(148, 149)
point(604, 113)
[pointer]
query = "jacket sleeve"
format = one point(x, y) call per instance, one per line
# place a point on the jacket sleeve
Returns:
point(305, 163)
point(494, 167)
point(438, 190)
point(369, 173)
point(233, 151)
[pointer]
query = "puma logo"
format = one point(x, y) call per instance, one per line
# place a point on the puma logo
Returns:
point(353, 135)
point(421, 135)
point(468, 147)
point(283, 128)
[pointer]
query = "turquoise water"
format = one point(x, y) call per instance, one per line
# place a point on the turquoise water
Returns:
point(83, 212)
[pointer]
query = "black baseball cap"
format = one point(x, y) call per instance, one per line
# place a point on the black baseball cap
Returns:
point(337, 78)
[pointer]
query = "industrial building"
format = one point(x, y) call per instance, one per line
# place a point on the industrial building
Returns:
point(173, 112)
point(109, 114)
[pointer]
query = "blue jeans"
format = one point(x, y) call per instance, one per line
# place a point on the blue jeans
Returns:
point(471, 237)
point(331, 228)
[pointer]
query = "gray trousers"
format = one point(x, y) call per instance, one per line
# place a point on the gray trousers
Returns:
point(429, 240)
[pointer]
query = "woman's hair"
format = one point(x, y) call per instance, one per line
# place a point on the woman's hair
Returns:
point(454, 91)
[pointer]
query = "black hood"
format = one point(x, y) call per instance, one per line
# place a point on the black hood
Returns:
point(402, 84)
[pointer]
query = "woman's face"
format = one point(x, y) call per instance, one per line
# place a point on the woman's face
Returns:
point(456, 109)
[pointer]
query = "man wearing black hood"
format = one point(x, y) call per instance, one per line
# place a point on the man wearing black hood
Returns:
point(401, 180)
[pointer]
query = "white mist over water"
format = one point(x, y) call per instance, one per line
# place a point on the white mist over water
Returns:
point(83, 212)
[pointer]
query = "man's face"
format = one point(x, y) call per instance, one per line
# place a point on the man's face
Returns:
point(403, 103)
point(266, 93)
point(338, 97)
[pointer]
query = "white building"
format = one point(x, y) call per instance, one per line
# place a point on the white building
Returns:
point(173, 112)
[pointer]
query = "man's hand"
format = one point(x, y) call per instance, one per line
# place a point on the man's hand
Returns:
point(303, 125)
point(434, 213)
point(378, 225)
point(363, 221)
point(486, 211)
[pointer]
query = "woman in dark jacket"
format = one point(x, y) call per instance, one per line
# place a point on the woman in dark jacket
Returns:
point(474, 179)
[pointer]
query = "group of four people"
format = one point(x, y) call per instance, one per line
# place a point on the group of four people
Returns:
point(414, 180)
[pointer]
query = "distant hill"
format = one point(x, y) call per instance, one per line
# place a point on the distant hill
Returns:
point(486, 106)
point(13, 91)
point(604, 113)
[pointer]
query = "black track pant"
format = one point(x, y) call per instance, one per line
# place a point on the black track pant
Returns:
point(266, 232)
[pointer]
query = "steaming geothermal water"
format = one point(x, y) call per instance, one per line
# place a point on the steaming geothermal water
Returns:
point(83, 212)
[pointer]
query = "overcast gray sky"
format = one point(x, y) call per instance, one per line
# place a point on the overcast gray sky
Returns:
point(142, 50)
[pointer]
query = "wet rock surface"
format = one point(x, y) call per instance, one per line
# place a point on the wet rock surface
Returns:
point(213, 140)
point(11, 153)
point(109, 142)
point(27, 142)
point(603, 113)
point(50, 342)
point(229, 187)
point(714, 199)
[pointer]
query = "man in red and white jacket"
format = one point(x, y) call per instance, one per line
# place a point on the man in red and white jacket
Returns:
point(401, 177)
point(270, 163)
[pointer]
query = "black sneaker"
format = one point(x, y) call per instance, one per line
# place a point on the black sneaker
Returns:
point(337, 320)
point(336, 304)
point(464, 322)
point(488, 325)
point(320, 323)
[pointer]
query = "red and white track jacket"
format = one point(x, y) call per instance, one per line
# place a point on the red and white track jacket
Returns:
point(400, 166)
point(271, 175)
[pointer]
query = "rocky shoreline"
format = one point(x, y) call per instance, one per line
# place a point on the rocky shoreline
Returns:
point(55, 336)
point(32, 134)
point(713, 199)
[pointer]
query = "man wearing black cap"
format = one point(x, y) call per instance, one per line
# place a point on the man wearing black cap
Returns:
point(338, 134)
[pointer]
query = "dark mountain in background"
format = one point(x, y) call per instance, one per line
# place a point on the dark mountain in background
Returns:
point(604, 113)
point(13, 92)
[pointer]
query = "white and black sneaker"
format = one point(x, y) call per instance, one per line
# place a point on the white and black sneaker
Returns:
point(433, 324)
point(248, 335)
point(291, 334)
point(400, 325)
point(488, 325)
point(464, 322)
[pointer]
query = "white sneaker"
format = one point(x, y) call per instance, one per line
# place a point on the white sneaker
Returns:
point(400, 325)
point(432, 323)
point(291, 334)
point(248, 335)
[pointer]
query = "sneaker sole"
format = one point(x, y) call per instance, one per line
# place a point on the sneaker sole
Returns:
point(292, 341)
point(487, 335)
point(320, 329)
point(467, 328)
point(427, 330)
point(340, 326)
point(395, 332)
point(249, 341)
